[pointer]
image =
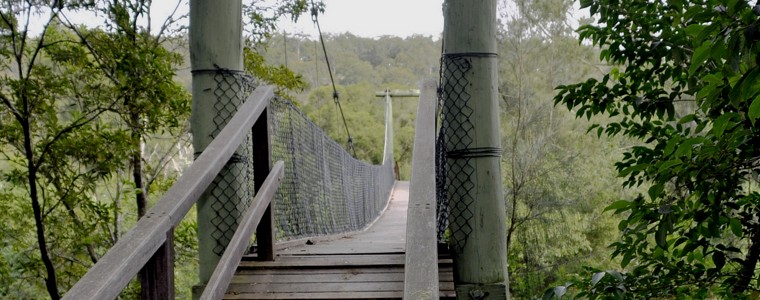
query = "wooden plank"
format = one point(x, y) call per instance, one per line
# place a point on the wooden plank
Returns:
point(118, 266)
point(324, 261)
point(328, 295)
point(421, 268)
point(262, 161)
point(316, 271)
point(360, 256)
point(329, 277)
point(443, 274)
point(319, 278)
point(316, 287)
point(375, 247)
point(231, 258)
point(157, 276)
point(442, 262)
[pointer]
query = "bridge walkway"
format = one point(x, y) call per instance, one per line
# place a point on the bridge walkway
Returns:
point(364, 265)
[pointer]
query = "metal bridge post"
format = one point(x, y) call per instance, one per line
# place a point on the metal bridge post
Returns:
point(471, 120)
point(216, 56)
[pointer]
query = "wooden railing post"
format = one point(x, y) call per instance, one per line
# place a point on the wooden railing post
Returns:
point(421, 266)
point(157, 276)
point(262, 163)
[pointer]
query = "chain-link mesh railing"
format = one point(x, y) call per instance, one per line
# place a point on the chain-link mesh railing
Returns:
point(325, 190)
point(231, 192)
point(454, 172)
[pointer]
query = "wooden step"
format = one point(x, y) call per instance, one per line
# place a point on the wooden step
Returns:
point(368, 276)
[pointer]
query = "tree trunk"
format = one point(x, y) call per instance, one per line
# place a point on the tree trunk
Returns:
point(748, 268)
point(137, 177)
point(50, 280)
point(137, 173)
point(117, 210)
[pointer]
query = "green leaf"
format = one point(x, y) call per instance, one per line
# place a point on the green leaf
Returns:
point(693, 30)
point(687, 118)
point(671, 145)
point(736, 227)
point(616, 275)
point(754, 109)
point(620, 204)
point(663, 229)
point(596, 277)
point(634, 168)
point(749, 84)
point(719, 259)
point(655, 191)
point(720, 124)
point(700, 56)
point(707, 91)
point(686, 147)
point(669, 164)
point(548, 295)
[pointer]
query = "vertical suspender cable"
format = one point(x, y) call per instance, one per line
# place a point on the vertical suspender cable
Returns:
point(314, 18)
point(285, 45)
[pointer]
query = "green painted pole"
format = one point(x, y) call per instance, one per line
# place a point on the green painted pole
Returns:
point(471, 114)
point(216, 29)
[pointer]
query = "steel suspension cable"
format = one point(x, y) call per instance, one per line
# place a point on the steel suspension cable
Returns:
point(336, 98)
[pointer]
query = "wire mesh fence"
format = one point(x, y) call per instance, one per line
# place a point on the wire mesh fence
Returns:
point(325, 189)
point(231, 192)
point(453, 171)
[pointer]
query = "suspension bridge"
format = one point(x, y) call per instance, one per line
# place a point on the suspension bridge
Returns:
point(285, 212)
point(344, 225)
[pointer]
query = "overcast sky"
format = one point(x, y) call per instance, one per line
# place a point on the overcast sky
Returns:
point(372, 18)
point(366, 18)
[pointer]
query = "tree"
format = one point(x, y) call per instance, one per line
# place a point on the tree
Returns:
point(79, 106)
point(140, 71)
point(395, 63)
point(50, 109)
point(686, 87)
point(552, 172)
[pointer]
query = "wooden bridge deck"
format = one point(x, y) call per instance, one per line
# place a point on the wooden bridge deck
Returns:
point(364, 265)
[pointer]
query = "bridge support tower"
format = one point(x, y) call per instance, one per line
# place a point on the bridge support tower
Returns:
point(471, 120)
point(216, 56)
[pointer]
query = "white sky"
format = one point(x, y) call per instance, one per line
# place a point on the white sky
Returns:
point(372, 18)
point(366, 18)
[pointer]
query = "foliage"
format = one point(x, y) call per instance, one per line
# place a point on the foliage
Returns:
point(687, 88)
point(52, 141)
point(555, 177)
point(280, 76)
point(140, 72)
point(262, 16)
point(88, 118)
point(362, 67)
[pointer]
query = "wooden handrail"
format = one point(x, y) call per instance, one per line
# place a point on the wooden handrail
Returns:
point(222, 275)
point(421, 267)
point(107, 278)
